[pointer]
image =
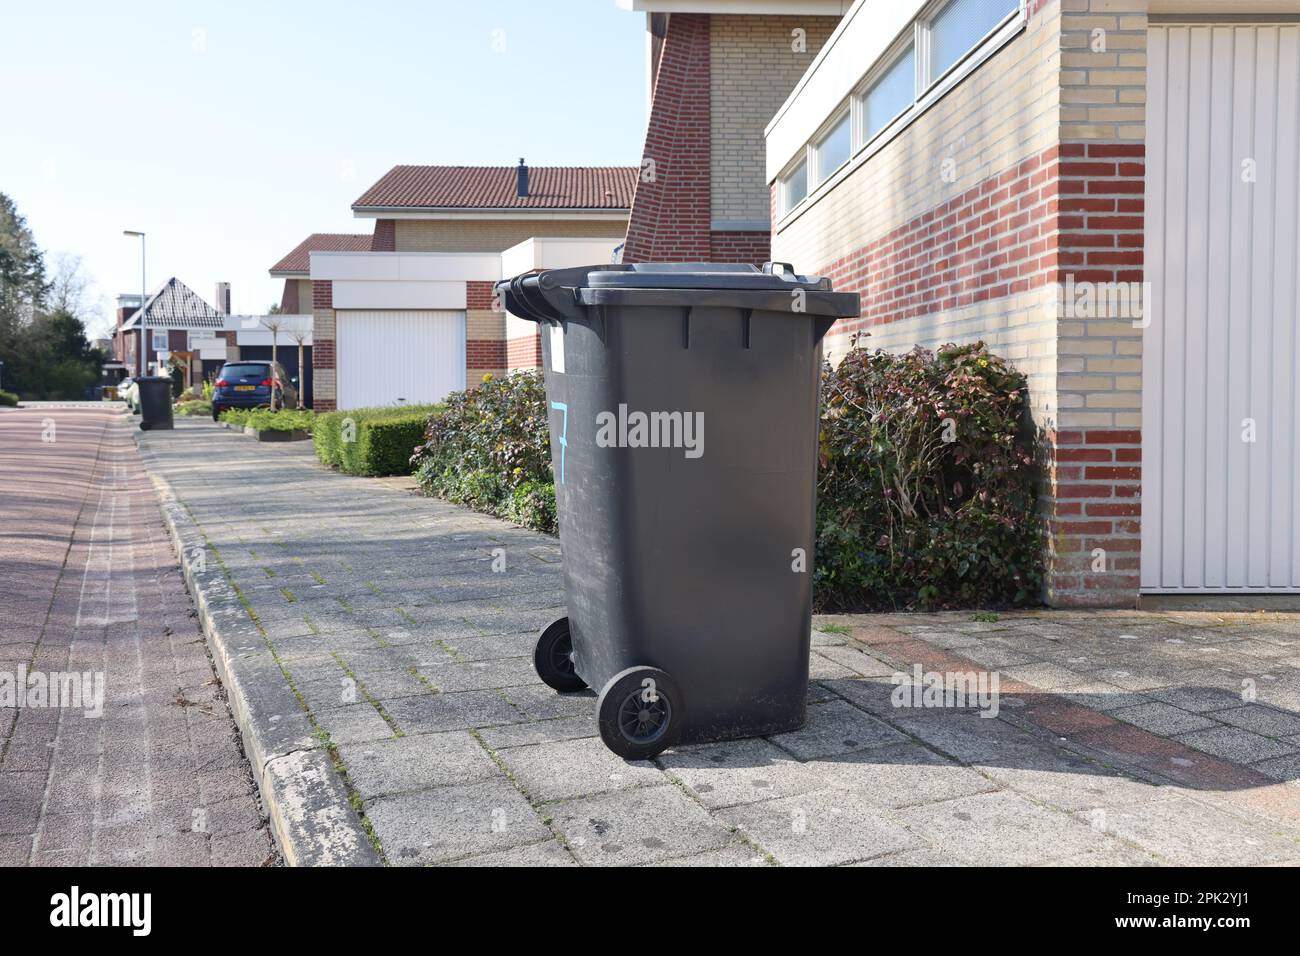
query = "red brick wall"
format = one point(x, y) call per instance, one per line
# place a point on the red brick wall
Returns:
point(322, 294)
point(484, 353)
point(1074, 209)
point(1097, 472)
point(479, 296)
point(524, 351)
point(670, 211)
point(998, 238)
point(385, 237)
point(753, 248)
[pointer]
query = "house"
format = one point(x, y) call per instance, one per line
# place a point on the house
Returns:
point(295, 267)
point(175, 317)
point(413, 317)
point(717, 72)
point(179, 321)
point(1106, 192)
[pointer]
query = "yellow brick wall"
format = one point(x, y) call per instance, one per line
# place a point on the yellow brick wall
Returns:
point(1006, 110)
point(1103, 99)
point(463, 235)
point(753, 67)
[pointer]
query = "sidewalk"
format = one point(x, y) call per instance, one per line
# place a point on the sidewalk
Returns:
point(380, 669)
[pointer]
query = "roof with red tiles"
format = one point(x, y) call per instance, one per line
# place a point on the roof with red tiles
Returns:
point(494, 187)
point(298, 262)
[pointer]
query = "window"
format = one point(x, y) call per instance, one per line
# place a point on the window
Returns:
point(795, 185)
point(959, 27)
point(834, 148)
point(159, 340)
point(890, 95)
point(945, 42)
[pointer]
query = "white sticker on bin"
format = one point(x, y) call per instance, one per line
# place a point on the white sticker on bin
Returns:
point(557, 347)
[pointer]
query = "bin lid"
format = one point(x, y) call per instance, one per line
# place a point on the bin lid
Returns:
point(558, 294)
point(702, 275)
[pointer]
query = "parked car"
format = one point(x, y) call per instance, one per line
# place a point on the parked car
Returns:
point(129, 392)
point(253, 384)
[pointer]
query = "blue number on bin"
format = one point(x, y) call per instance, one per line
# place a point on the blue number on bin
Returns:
point(564, 434)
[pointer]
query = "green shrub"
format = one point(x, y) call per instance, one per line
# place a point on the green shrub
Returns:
point(263, 419)
point(236, 416)
point(192, 408)
point(8, 398)
point(490, 449)
point(371, 441)
point(926, 491)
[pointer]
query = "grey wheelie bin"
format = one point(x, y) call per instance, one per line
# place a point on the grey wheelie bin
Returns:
point(683, 410)
point(155, 402)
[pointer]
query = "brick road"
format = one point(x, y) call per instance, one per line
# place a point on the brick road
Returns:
point(1122, 739)
point(89, 584)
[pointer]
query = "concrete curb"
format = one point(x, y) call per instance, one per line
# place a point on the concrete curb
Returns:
point(311, 818)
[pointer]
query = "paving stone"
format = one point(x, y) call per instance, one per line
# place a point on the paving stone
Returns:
point(1185, 832)
point(1281, 768)
point(899, 775)
point(1050, 677)
point(637, 827)
point(416, 763)
point(998, 829)
point(428, 826)
point(1069, 782)
point(538, 732)
point(1163, 719)
point(547, 853)
point(856, 660)
point(575, 768)
point(539, 702)
point(820, 828)
point(823, 668)
point(973, 739)
point(739, 771)
point(1236, 744)
point(732, 855)
point(835, 728)
point(355, 723)
point(1269, 721)
point(481, 675)
point(437, 712)
point(1198, 700)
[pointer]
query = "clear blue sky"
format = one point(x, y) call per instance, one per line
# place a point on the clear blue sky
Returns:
point(229, 131)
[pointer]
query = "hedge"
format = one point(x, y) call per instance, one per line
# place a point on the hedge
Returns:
point(371, 441)
point(8, 398)
point(263, 419)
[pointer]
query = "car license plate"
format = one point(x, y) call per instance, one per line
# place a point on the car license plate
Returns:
point(245, 388)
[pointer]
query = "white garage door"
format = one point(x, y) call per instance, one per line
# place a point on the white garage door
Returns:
point(1221, 453)
point(390, 358)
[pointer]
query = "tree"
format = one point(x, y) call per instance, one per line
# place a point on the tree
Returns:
point(275, 324)
point(23, 284)
point(300, 335)
point(43, 341)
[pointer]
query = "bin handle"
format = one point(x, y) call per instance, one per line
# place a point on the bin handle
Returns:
point(769, 268)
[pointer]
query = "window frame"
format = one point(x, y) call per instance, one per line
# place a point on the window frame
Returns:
point(926, 93)
point(153, 340)
point(842, 112)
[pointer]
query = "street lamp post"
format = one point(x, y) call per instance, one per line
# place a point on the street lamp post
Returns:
point(144, 332)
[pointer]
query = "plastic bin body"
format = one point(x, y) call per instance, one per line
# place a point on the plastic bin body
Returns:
point(695, 560)
point(155, 398)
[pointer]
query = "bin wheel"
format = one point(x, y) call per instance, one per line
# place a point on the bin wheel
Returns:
point(553, 658)
point(640, 713)
point(144, 426)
